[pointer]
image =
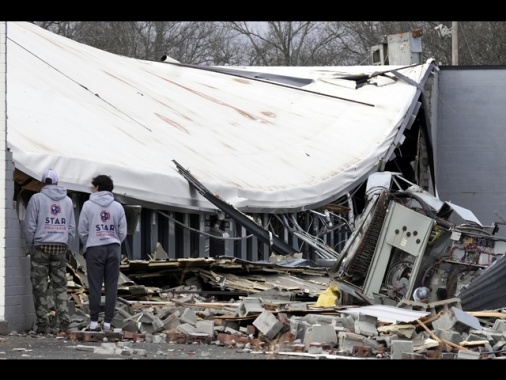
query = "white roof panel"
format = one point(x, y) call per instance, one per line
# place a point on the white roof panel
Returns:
point(261, 146)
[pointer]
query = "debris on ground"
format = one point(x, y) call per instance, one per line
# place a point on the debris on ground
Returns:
point(287, 311)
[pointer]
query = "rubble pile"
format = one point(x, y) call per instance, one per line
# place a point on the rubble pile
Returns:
point(297, 311)
point(270, 322)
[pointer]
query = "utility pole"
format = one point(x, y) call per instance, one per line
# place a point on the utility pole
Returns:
point(455, 43)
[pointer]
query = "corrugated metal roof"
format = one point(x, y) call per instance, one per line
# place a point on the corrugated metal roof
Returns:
point(486, 290)
point(263, 146)
point(386, 313)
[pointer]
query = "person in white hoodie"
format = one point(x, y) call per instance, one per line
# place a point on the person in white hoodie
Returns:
point(49, 226)
point(102, 228)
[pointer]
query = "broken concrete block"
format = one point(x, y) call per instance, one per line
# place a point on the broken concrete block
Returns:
point(273, 294)
point(348, 322)
point(449, 335)
point(166, 311)
point(315, 349)
point(320, 334)
point(125, 307)
point(250, 305)
point(171, 322)
point(268, 324)
point(448, 355)
point(475, 338)
point(234, 325)
point(413, 305)
point(384, 340)
point(296, 306)
point(150, 323)
point(372, 343)
point(405, 330)
point(322, 319)
point(145, 316)
point(188, 316)
point(457, 320)
point(299, 327)
point(228, 311)
point(446, 304)
point(424, 345)
point(207, 313)
point(400, 347)
point(186, 328)
point(156, 338)
point(468, 354)
point(465, 321)
point(366, 325)
point(348, 340)
point(121, 318)
point(445, 322)
point(206, 327)
point(493, 336)
point(199, 338)
point(499, 345)
point(131, 326)
point(499, 325)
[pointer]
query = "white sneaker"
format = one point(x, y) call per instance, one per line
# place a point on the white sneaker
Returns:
point(93, 326)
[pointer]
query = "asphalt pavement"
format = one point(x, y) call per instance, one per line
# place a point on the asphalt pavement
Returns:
point(51, 347)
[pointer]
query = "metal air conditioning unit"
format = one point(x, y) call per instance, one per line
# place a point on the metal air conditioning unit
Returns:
point(379, 54)
point(405, 48)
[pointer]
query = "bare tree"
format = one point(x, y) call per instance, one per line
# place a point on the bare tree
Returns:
point(361, 36)
point(75, 30)
point(198, 43)
point(114, 37)
point(479, 42)
point(482, 42)
point(283, 43)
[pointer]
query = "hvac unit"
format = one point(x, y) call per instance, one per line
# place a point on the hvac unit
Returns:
point(379, 54)
point(405, 48)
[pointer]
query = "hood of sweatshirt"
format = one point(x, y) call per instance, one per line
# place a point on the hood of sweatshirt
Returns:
point(102, 198)
point(54, 192)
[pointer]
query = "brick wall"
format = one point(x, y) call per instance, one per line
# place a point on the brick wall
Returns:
point(16, 308)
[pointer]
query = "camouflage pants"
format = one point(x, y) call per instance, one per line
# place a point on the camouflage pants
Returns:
point(49, 270)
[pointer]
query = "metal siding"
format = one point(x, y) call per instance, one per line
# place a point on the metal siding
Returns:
point(471, 158)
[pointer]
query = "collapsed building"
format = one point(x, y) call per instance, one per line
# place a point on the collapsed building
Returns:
point(329, 168)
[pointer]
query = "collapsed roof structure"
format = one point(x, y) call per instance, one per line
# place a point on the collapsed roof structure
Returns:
point(265, 139)
point(287, 153)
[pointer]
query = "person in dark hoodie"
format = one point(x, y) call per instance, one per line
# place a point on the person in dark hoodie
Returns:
point(102, 228)
point(49, 226)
